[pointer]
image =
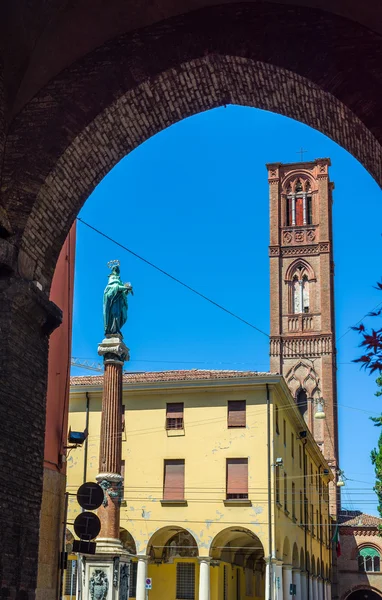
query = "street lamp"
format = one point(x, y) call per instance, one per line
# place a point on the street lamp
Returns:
point(340, 480)
point(319, 413)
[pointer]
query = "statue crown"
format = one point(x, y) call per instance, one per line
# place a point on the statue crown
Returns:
point(113, 263)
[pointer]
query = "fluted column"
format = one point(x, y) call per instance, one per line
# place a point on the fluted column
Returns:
point(109, 477)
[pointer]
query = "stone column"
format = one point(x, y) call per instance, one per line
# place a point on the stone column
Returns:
point(109, 477)
point(310, 583)
point(269, 579)
point(296, 577)
point(304, 585)
point(204, 577)
point(287, 580)
point(328, 590)
point(315, 588)
point(141, 576)
point(320, 588)
point(278, 574)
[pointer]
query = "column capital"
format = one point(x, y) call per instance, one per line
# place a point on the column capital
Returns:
point(143, 557)
point(287, 567)
point(113, 349)
point(206, 559)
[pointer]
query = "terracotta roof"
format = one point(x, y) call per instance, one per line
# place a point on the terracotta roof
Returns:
point(156, 376)
point(356, 518)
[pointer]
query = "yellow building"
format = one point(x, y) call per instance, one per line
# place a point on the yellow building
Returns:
point(225, 491)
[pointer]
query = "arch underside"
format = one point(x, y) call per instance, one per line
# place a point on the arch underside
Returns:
point(112, 100)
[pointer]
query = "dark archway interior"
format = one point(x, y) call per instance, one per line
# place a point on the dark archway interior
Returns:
point(364, 594)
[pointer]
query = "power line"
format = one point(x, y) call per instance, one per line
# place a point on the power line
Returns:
point(188, 287)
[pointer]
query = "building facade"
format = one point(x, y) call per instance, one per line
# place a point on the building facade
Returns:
point(56, 426)
point(302, 344)
point(225, 491)
point(359, 565)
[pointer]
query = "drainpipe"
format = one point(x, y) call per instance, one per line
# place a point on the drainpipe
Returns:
point(269, 459)
point(87, 438)
point(305, 519)
point(319, 514)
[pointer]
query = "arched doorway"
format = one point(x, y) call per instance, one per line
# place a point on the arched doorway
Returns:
point(239, 556)
point(173, 553)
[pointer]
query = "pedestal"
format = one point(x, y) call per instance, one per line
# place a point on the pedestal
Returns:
point(104, 577)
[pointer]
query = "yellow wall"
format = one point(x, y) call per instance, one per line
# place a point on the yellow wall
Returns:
point(205, 444)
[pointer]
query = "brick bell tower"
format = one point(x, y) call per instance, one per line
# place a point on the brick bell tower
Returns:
point(302, 342)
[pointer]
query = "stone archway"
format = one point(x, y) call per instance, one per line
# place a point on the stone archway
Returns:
point(56, 147)
point(364, 593)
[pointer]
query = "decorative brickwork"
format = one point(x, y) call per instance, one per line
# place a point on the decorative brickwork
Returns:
point(302, 345)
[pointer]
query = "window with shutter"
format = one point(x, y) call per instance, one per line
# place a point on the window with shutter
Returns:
point(237, 478)
point(173, 486)
point(236, 413)
point(174, 415)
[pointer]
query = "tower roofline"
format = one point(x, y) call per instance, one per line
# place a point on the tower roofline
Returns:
point(316, 161)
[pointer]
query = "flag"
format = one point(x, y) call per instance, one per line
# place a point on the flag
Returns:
point(336, 540)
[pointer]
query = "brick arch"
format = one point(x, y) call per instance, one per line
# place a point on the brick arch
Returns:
point(110, 101)
point(358, 547)
point(300, 264)
point(355, 588)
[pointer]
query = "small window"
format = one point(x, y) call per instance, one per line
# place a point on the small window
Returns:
point(317, 525)
point(300, 456)
point(185, 581)
point(293, 500)
point(237, 478)
point(309, 210)
point(285, 492)
point(292, 444)
point(301, 509)
point(277, 419)
point(174, 415)
point(278, 487)
point(236, 413)
point(284, 432)
point(312, 518)
point(173, 485)
point(133, 580)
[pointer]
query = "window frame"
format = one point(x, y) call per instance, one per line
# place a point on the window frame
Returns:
point(179, 593)
point(236, 495)
point(166, 494)
point(179, 421)
point(230, 405)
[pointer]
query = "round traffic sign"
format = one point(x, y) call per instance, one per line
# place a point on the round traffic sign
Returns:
point(90, 495)
point(87, 526)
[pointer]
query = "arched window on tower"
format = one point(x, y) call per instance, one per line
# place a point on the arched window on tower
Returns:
point(302, 403)
point(299, 204)
point(300, 293)
point(369, 560)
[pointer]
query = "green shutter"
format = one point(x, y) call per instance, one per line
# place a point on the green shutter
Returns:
point(368, 552)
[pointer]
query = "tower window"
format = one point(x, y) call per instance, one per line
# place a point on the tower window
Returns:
point(302, 403)
point(369, 560)
point(300, 297)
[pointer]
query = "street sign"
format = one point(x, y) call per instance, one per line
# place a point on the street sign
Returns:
point(90, 495)
point(87, 526)
point(84, 547)
point(149, 583)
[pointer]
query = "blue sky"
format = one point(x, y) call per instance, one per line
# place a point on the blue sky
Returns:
point(194, 200)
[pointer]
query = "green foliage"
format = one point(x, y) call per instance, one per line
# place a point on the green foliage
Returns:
point(376, 454)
